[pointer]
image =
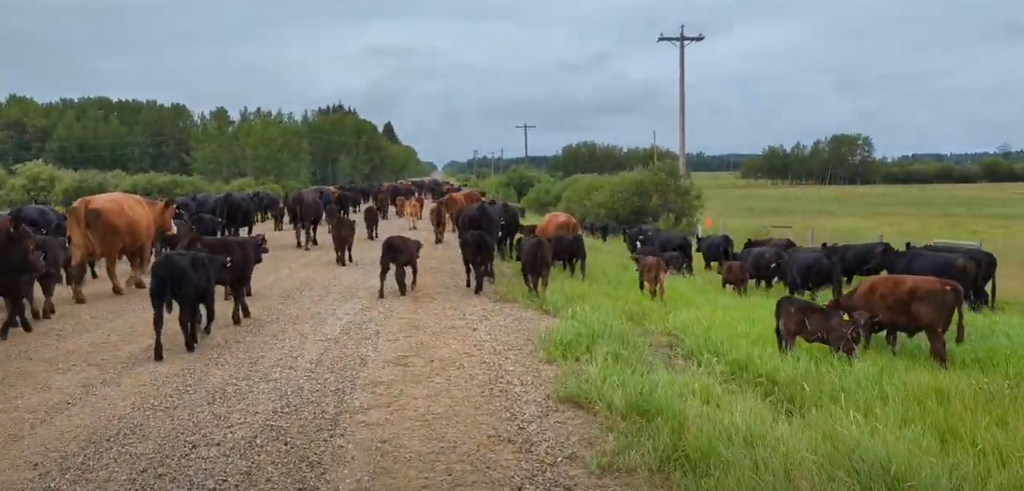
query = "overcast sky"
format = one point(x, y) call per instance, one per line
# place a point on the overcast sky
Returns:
point(458, 75)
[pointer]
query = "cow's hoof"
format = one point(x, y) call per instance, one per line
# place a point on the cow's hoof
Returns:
point(139, 283)
point(36, 315)
point(117, 290)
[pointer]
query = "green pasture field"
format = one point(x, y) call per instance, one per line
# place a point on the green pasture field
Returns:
point(696, 395)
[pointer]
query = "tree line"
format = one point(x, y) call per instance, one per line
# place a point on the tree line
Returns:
point(590, 157)
point(78, 138)
point(850, 159)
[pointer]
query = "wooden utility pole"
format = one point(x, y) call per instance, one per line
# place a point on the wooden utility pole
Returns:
point(526, 139)
point(682, 41)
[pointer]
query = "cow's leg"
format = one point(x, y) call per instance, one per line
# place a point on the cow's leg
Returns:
point(466, 267)
point(707, 264)
point(110, 261)
point(307, 229)
point(48, 308)
point(92, 269)
point(239, 293)
point(158, 327)
point(298, 236)
point(938, 347)
point(314, 227)
point(184, 321)
point(227, 293)
point(400, 279)
point(236, 308)
point(415, 273)
point(139, 266)
point(248, 288)
point(348, 247)
point(209, 302)
point(384, 267)
point(526, 281)
point(30, 296)
point(890, 337)
point(479, 272)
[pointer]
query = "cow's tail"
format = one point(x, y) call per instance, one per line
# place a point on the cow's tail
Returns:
point(83, 219)
point(992, 301)
point(778, 325)
point(837, 277)
point(161, 288)
point(958, 293)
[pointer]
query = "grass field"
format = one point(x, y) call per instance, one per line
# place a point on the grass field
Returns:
point(696, 396)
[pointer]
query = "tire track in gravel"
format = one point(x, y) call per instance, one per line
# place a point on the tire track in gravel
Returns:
point(459, 397)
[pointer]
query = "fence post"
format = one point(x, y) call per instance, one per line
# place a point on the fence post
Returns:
point(810, 238)
point(723, 228)
point(881, 238)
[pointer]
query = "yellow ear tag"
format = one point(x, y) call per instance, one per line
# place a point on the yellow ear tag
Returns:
point(846, 316)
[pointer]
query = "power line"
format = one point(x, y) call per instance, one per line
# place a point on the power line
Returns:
point(682, 41)
point(526, 139)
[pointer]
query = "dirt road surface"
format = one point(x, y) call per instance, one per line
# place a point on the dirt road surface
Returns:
point(325, 388)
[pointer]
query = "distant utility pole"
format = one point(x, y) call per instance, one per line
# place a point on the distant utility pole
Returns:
point(526, 139)
point(654, 146)
point(501, 161)
point(474, 162)
point(492, 163)
point(682, 41)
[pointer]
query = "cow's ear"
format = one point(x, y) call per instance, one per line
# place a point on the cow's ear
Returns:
point(14, 224)
point(168, 203)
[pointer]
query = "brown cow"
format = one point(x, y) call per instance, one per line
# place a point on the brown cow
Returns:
point(734, 273)
point(652, 270)
point(413, 213)
point(419, 201)
point(400, 207)
point(557, 224)
point(796, 317)
point(402, 252)
point(909, 304)
point(471, 196)
point(383, 206)
point(438, 221)
point(453, 204)
point(111, 226)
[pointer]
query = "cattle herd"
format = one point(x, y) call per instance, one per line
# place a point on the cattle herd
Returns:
point(195, 243)
point(922, 290)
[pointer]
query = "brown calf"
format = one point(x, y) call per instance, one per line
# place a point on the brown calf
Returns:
point(908, 304)
point(400, 206)
point(796, 317)
point(734, 273)
point(343, 234)
point(413, 212)
point(438, 220)
point(652, 270)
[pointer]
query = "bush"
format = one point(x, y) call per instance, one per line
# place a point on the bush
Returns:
point(39, 182)
point(653, 194)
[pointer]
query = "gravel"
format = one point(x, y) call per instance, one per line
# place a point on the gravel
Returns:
point(326, 387)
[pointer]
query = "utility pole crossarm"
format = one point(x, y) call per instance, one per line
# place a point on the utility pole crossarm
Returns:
point(526, 139)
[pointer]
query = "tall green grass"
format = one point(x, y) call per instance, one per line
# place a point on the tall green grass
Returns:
point(696, 395)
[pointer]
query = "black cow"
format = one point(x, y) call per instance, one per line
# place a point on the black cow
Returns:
point(238, 275)
point(810, 270)
point(631, 237)
point(184, 208)
point(921, 262)
point(856, 259)
point(17, 261)
point(508, 219)
point(536, 256)
point(763, 264)
point(53, 252)
point(784, 244)
point(569, 251)
point(204, 203)
point(478, 256)
point(43, 219)
point(305, 210)
point(372, 219)
point(666, 241)
point(715, 249)
point(330, 213)
point(236, 210)
point(403, 252)
point(188, 278)
point(986, 263)
point(205, 224)
point(479, 216)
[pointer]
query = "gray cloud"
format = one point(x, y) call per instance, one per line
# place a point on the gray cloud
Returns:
point(458, 75)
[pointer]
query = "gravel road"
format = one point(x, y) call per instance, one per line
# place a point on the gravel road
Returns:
point(325, 388)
